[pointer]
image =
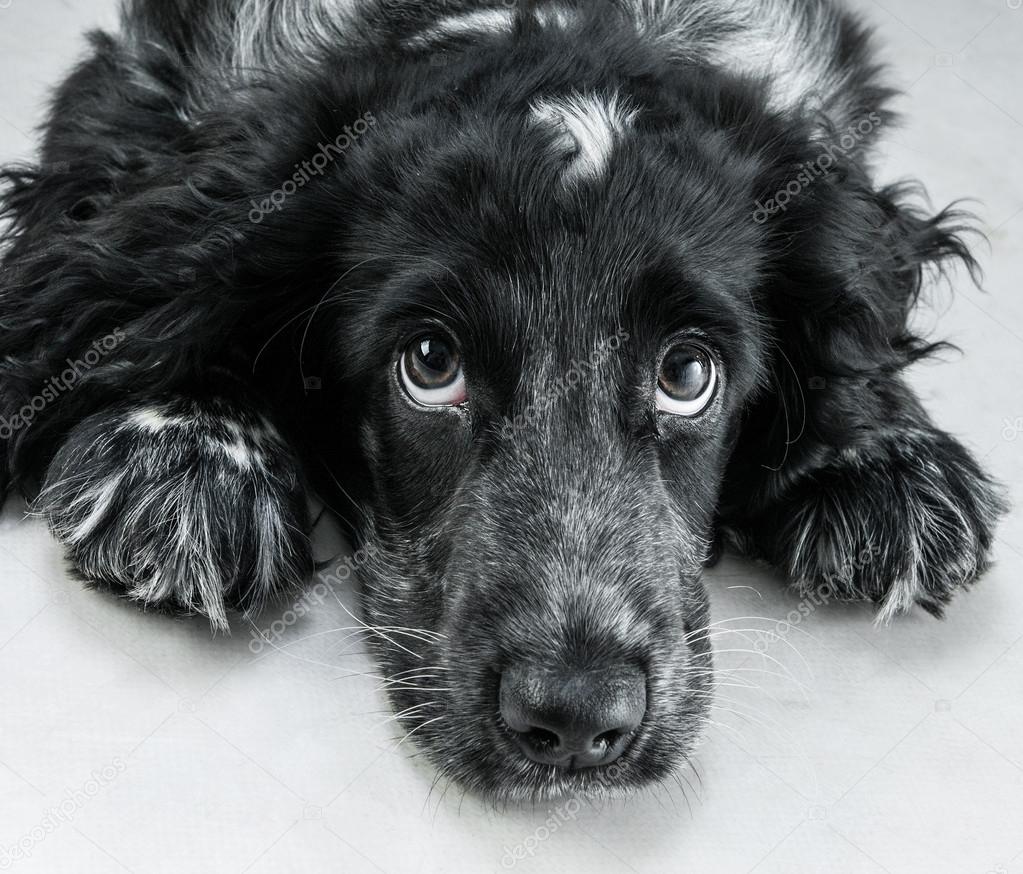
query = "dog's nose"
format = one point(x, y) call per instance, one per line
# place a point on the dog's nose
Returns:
point(575, 719)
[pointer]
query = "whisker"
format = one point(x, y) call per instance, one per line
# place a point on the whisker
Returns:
point(417, 728)
point(404, 714)
point(380, 634)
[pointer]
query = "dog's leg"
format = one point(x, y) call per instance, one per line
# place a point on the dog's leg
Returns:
point(192, 503)
point(903, 516)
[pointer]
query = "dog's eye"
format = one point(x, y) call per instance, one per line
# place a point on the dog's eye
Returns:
point(687, 381)
point(431, 371)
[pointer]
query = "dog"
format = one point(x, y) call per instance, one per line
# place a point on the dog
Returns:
point(548, 301)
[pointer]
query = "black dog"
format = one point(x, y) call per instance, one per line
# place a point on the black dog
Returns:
point(545, 298)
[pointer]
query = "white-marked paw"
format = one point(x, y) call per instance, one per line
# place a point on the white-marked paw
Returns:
point(194, 506)
point(908, 520)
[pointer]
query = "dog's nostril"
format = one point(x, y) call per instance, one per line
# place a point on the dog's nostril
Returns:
point(541, 738)
point(609, 738)
point(573, 718)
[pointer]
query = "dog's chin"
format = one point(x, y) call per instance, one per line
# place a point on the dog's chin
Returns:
point(539, 784)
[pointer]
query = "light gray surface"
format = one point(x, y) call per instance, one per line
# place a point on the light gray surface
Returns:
point(896, 749)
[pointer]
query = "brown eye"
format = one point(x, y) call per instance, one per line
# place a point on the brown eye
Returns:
point(431, 371)
point(687, 380)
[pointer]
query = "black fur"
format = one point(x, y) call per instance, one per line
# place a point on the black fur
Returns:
point(558, 526)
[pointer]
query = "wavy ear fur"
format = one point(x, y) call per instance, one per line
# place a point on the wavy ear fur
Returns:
point(137, 220)
point(839, 477)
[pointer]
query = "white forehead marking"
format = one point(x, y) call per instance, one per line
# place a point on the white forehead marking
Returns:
point(587, 127)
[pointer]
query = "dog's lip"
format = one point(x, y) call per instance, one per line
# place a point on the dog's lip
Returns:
point(558, 781)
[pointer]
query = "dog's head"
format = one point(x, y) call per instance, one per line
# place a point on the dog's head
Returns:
point(554, 314)
point(541, 345)
point(560, 322)
point(568, 295)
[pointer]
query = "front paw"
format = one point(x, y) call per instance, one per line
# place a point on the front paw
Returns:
point(199, 507)
point(908, 520)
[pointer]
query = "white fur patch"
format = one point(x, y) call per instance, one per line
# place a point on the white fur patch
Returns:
point(791, 43)
point(269, 32)
point(487, 22)
point(240, 454)
point(242, 448)
point(155, 420)
point(483, 22)
point(165, 539)
point(935, 519)
point(587, 127)
point(99, 501)
point(189, 571)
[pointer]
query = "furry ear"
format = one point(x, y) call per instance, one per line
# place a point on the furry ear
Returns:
point(159, 222)
point(97, 253)
point(839, 477)
point(848, 267)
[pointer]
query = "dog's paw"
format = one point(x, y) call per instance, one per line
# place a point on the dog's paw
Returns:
point(194, 506)
point(908, 520)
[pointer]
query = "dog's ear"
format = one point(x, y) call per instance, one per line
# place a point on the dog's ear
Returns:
point(839, 476)
point(847, 267)
point(180, 233)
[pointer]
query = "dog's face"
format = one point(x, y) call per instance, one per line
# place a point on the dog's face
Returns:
point(544, 369)
point(560, 340)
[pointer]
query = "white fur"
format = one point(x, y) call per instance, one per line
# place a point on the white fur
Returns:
point(192, 575)
point(480, 23)
point(179, 557)
point(791, 43)
point(934, 519)
point(588, 127)
point(487, 22)
point(154, 420)
point(930, 525)
point(99, 501)
point(240, 454)
point(239, 448)
point(269, 33)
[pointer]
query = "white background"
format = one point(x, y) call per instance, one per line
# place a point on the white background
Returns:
point(893, 750)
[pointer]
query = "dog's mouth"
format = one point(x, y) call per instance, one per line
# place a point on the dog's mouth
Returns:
point(614, 774)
